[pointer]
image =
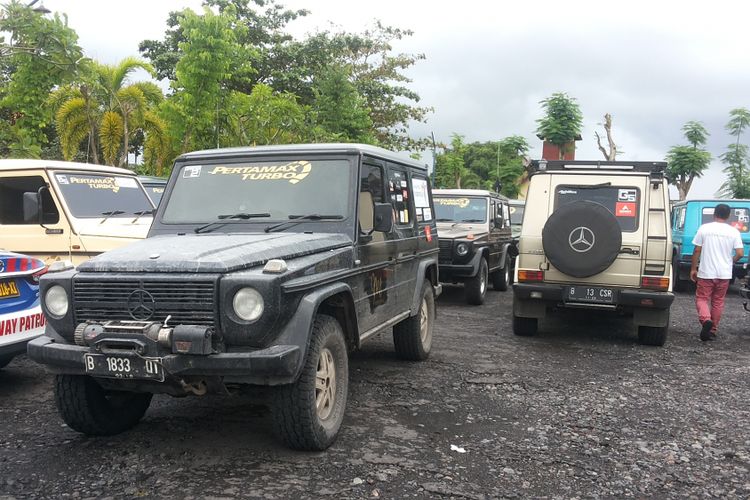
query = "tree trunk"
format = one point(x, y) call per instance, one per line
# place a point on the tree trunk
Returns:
point(125, 140)
point(610, 154)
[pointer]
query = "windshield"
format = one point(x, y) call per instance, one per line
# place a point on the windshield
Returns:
point(453, 209)
point(516, 214)
point(95, 195)
point(284, 189)
point(739, 218)
point(155, 192)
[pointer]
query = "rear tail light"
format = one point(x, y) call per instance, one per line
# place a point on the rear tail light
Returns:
point(35, 277)
point(655, 283)
point(527, 275)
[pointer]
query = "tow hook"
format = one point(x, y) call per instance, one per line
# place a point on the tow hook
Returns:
point(198, 388)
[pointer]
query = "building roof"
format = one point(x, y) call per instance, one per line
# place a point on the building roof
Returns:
point(26, 164)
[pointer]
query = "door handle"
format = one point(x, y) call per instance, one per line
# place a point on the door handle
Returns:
point(631, 251)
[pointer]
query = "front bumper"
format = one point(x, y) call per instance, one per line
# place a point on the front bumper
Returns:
point(450, 271)
point(623, 297)
point(274, 365)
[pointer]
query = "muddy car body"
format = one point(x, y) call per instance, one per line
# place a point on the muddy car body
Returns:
point(264, 266)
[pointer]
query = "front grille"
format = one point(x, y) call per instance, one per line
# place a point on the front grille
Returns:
point(187, 301)
point(446, 252)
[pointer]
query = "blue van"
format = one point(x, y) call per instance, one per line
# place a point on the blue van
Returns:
point(687, 217)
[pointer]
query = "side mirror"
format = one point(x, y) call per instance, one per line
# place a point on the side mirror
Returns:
point(32, 207)
point(382, 219)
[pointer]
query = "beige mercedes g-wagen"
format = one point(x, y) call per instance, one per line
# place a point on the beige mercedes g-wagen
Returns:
point(596, 235)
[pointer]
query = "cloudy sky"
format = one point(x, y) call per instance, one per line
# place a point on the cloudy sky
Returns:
point(652, 65)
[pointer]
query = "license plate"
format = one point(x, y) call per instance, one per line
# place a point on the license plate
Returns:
point(593, 294)
point(8, 289)
point(123, 367)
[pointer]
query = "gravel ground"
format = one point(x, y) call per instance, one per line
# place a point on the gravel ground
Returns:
point(581, 410)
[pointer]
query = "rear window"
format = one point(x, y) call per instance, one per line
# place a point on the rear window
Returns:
point(739, 217)
point(624, 202)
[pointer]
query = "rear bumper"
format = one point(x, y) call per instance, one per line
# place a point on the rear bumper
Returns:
point(623, 297)
point(271, 366)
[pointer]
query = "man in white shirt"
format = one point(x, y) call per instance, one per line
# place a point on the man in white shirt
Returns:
point(717, 246)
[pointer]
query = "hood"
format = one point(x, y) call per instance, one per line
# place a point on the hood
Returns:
point(211, 253)
point(461, 230)
point(114, 227)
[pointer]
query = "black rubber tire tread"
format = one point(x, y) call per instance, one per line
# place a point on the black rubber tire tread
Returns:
point(525, 327)
point(295, 419)
point(678, 285)
point(568, 218)
point(407, 337)
point(502, 278)
point(473, 285)
point(83, 405)
point(4, 360)
point(652, 335)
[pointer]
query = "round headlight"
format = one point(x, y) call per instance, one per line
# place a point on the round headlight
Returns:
point(462, 249)
point(56, 301)
point(248, 304)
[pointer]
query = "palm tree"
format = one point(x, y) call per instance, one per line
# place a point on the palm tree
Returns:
point(107, 110)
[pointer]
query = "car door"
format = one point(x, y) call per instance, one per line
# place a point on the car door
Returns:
point(375, 289)
point(495, 232)
point(405, 229)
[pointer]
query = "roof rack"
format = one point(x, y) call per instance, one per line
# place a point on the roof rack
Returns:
point(654, 168)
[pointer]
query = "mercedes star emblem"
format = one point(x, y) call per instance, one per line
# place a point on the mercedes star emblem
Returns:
point(581, 239)
point(141, 304)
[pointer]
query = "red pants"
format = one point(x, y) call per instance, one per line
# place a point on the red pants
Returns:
point(709, 300)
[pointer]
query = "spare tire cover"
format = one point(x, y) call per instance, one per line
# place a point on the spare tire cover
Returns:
point(582, 238)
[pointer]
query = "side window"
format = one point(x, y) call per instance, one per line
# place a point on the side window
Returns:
point(370, 192)
point(11, 200)
point(506, 214)
point(421, 198)
point(398, 189)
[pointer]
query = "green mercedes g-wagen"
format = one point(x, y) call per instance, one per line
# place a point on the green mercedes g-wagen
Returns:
point(264, 266)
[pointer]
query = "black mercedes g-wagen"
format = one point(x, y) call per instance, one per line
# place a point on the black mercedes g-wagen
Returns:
point(264, 266)
point(474, 230)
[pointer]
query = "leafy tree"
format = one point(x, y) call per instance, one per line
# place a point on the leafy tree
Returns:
point(267, 117)
point(41, 53)
point(340, 111)
point(210, 56)
point(737, 184)
point(685, 163)
point(106, 110)
point(450, 166)
point(562, 122)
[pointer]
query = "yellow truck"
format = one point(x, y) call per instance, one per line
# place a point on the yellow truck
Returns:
point(54, 210)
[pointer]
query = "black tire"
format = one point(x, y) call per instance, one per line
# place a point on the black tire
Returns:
point(4, 360)
point(678, 285)
point(476, 286)
point(297, 420)
point(525, 327)
point(502, 278)
point(582, 238)
point(88, 408)
point(652, 335)
point(412, 337)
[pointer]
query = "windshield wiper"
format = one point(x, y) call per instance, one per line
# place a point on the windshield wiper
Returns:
point(225, 219)
point(107, 215)
point(466, 221)
point(141, 213)
point(298, 219)
point(443, 220)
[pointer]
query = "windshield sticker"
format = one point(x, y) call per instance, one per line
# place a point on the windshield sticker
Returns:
point(512, 210)
point(157, 190)
point(191, 172)
point(62, 179)
point(108, 183)
point(630, 195)
point(293, 172)
point(567, 191)
point(126, 182)
point(453, 202)
point(623, 209)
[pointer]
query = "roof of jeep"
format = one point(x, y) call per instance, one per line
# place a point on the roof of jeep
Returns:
point(29, 164)
point(336, 148)
point(466, 192)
